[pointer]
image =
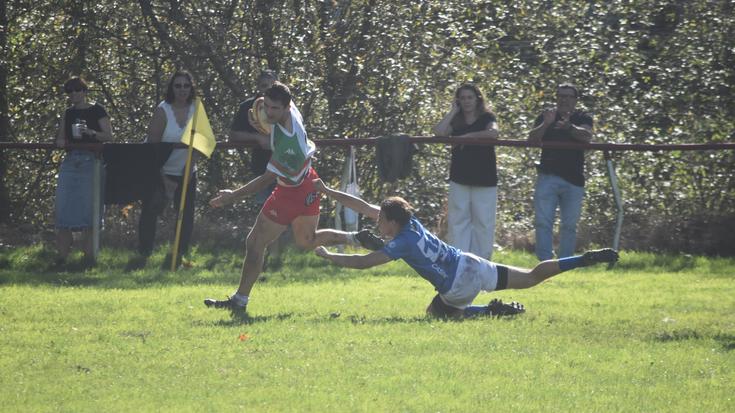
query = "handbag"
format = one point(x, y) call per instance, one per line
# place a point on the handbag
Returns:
point(352, 188)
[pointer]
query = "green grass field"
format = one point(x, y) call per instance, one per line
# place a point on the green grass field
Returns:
point(656, 333)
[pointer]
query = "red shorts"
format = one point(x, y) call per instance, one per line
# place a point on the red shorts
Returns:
point(286, 203)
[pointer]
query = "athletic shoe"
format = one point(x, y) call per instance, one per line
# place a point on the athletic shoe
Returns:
point(607, 255)
point(369, 240)
point(228, 304)
point(498, 308)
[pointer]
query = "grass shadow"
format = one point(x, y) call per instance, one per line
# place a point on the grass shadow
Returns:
point(674, 263)
point(727, 341)
point(243, 318)
point(677, 335)
point(118, 269)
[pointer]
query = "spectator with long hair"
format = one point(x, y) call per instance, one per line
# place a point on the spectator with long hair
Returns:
point(167, 125)
point(473, 174)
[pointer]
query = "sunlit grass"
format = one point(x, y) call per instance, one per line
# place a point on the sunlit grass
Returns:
point(650, 335)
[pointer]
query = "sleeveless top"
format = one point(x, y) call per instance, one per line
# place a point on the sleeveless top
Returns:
point(177, 161)
point(291, 158)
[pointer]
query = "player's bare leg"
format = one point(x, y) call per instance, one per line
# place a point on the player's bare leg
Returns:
point(263, 233)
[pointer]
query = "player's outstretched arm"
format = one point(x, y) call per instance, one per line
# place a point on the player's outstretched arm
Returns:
point(228, 196)
point(350, 201)
point(356, 261)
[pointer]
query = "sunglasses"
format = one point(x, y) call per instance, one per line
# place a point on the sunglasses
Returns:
point(182, 85)
point(70, 90)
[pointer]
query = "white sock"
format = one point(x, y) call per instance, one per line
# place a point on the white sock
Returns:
point(240, 299)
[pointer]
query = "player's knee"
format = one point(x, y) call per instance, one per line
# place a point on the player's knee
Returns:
point(518, 280)
point(437, 308)
point(254, 244)
point(306, 242)
point(534, 277)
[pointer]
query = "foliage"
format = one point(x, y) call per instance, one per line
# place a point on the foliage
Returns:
point(651, 71)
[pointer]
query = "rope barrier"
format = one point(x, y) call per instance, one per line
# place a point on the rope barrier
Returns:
point(605, 147)
point(96, 147)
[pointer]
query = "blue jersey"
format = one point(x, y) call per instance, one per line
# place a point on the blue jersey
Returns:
point(431, 257)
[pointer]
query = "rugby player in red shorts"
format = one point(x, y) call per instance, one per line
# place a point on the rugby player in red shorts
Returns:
point(294, 202)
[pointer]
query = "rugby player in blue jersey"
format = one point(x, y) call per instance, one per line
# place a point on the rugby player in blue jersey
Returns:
point(457, 276)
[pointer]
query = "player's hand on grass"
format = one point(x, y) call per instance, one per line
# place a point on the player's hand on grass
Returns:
point(223, 198)
point(320, 251)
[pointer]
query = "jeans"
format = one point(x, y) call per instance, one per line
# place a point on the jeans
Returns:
point(551, 191)
point(471, 218)
point(154, 206)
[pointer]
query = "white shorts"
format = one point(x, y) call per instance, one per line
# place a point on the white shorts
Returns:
point(474, 274)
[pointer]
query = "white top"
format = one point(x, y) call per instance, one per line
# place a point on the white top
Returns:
point(177, 160)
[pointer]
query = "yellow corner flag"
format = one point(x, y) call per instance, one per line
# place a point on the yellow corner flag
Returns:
point(203, 140)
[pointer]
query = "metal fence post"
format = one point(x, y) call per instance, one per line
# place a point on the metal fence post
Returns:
point(96, 203)
point(618, 199)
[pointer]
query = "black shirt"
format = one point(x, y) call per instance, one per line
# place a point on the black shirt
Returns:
point(565, 163)
point(474, 165)
point(260, 157)
point(90, 115)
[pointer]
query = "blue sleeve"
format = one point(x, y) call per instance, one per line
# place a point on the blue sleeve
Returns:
point(397, 248)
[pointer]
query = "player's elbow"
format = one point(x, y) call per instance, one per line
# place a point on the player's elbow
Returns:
point(362, 263)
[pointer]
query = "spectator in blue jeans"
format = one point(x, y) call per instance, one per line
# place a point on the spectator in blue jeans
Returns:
point(560, 179)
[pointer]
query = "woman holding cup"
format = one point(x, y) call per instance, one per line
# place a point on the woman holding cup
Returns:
point(82, 122)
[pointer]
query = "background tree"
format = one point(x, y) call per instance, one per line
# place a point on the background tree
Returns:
point(651, 71)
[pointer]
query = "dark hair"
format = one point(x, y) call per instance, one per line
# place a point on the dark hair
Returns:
point(75, 83)
point(396, 209)
point(268, 74)
point(458, 121)
point(170, 87)
point(569, 86)
point(279, 92)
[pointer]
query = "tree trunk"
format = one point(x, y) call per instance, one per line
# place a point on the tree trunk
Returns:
point(4, 112)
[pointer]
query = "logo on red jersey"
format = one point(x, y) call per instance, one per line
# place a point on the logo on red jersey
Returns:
point(310, 198)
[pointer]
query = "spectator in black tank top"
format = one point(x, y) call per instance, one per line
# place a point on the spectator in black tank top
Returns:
point(473, 176)
point(560, 173)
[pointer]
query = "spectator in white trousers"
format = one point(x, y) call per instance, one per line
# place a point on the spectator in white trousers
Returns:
point(473, 175)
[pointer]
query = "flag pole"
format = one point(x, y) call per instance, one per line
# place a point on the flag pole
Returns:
point(182, 204)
